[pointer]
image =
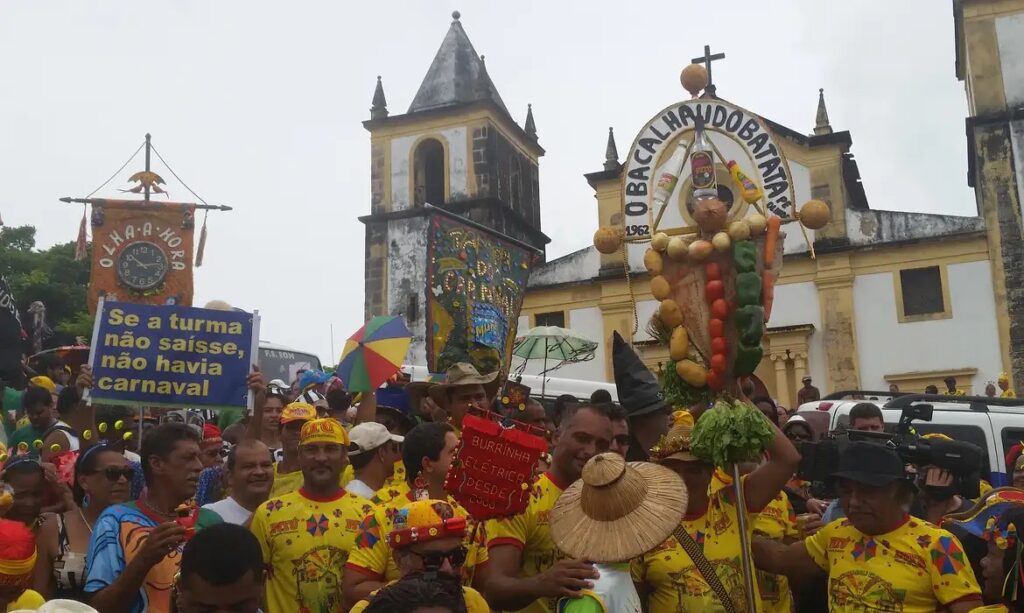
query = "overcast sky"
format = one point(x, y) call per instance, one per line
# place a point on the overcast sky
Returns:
point(259, 105)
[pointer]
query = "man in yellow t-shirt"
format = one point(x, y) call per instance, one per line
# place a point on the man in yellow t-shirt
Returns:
point(428, 450)
point(668, 576)
point(878, 558)
point(287, 475)
point(778, 522)
point(426, 538)
point(1004, 386)
point(527, 572)
point(306, 535)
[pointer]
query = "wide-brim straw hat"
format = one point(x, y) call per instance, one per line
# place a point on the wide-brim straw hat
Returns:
point(461, 373)
point(618, 510)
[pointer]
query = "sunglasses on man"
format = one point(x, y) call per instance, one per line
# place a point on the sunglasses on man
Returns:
point(435, 559)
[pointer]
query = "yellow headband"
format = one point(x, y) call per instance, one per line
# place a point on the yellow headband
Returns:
point(323, 431)
point(13, 572)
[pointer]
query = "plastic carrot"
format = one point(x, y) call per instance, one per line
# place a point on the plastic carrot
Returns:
point(774, 225)
point(767, 292)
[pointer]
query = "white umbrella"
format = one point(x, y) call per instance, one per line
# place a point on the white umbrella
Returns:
point(552, 342)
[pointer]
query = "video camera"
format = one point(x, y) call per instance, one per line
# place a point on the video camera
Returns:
point(962, 459)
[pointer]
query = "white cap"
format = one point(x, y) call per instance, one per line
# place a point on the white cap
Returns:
point(369, 436)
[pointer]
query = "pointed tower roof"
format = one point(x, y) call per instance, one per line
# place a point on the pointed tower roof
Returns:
point(611, 152)
point(530, 126)
point(379, 110)
point(456, 76)
point(821, 125)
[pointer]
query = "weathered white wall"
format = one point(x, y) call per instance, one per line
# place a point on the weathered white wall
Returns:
point(796, 304)
point(1010, 35)
point(586, 322)
point(457, 164)
point(1017, 143)
point(407, 274)
point(968, 340)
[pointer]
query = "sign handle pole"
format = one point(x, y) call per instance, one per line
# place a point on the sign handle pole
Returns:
point(86, 395)
point(254, 357)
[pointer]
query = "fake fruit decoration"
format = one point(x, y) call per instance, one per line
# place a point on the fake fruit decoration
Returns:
point(694, 78)
point(721, 241)
point(670, 313)
point(660, 287)
point(653, 262)
point(659, 242)
point(679, 344)
point(739, 230)
point(710, 214)
point(758, 223)
point(677, 249)
point(608, 239)
point(700, 250)
point(814, 214)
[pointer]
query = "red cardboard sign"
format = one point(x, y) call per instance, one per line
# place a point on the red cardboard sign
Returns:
point(494, 467)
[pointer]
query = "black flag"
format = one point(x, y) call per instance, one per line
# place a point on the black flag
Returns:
point(10, 337)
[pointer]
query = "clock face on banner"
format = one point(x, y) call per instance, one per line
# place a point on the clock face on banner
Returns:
point(142, 265)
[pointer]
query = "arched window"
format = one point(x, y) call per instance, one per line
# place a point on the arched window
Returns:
point(429, 172)
point(515, 177)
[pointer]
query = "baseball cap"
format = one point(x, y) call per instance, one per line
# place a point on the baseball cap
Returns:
point(44, 382)
point(324, 430)
point(425, 520)
point(369, 436)
point(297, 411)
point(869, 463)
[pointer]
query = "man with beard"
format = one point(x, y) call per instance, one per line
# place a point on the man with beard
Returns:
point(135, 549)
point(250, 475)
point(426, 540)
point(306, 535)
point(526, 571)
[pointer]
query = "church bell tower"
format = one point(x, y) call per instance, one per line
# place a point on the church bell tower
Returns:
point(457, 148)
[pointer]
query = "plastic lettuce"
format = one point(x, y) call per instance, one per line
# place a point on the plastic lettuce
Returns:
point(731, 432)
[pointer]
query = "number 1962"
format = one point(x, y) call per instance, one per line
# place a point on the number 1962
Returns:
point(638, 230)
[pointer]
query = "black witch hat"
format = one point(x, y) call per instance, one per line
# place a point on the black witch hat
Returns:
point(638, 389)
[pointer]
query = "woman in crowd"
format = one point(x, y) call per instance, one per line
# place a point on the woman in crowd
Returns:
point(997, 517)
point(102, 478)
point(27, 480)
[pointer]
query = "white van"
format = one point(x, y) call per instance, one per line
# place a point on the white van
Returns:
point(994, 424)
point(552, 387)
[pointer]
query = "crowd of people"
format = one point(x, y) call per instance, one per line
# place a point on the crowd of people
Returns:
point(324, 501)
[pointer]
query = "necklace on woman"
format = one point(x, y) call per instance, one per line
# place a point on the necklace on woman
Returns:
point(84, 520)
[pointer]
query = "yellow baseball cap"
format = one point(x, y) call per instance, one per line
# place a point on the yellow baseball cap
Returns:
point(44, 382)
point(425, 520)
point(297, 411)
point(325, 430)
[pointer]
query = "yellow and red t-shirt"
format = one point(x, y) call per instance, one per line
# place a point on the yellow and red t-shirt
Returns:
point(915, 568)
point(530, 532)
point(306, 541)
point(372, 555)
point(674, 581)
point(776, 521)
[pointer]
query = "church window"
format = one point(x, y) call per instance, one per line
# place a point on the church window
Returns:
point(552, 318)
point(922, 293)
point(429, 172)
point(515, 192)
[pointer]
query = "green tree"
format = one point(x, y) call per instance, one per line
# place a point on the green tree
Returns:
point(48, 275)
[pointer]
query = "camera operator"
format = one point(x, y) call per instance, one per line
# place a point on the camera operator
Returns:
point(879, 558)
point(864, 417)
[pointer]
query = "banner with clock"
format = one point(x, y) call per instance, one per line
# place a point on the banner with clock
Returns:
point(142, 252)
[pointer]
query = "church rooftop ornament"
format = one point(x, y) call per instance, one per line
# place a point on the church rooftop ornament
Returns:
point(531, 126)
point(611, 152)
point(379, 110)
point(821, 124)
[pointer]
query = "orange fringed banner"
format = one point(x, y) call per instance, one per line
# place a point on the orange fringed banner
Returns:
point(142, 252)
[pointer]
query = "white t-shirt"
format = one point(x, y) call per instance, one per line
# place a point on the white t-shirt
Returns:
point(360, 489)
point(230, 511)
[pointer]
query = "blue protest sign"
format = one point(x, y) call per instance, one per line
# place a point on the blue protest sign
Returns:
point(172, 356)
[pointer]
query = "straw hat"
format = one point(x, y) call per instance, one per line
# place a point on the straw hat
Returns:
point(618, 510)
point(675, 445)
point(460, 373)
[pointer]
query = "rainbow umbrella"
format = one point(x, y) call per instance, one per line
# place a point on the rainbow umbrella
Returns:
point(374, 353)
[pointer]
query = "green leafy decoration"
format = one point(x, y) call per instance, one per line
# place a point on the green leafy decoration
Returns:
point(678, 393)
point(731, 432)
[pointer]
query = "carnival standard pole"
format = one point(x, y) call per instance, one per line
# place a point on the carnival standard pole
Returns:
point(741, 514)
